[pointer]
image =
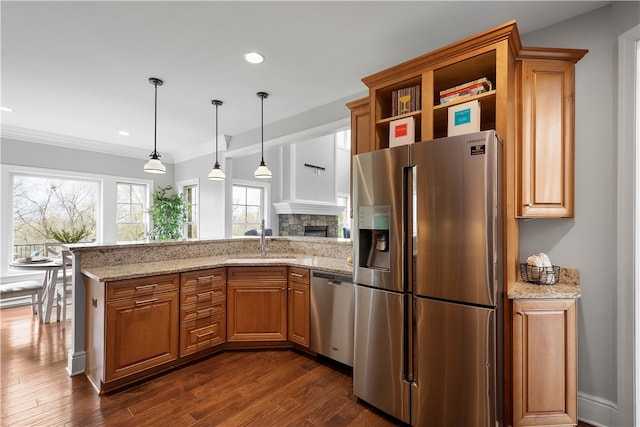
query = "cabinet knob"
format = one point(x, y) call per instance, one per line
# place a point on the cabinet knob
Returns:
point(519, 313)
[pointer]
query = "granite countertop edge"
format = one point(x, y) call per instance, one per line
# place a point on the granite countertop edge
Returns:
point(568, 287)
point(146, 269)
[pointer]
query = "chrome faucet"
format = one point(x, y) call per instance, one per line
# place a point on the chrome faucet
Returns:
point(263, 240)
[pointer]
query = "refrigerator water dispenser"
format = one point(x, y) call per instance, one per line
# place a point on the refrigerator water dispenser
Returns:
point(373, 229)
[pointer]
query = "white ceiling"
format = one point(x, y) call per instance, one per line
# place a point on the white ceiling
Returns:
point(78, 71)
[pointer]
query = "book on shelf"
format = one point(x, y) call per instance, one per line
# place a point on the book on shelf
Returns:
point(402, 131)
point(474, 87)
point(464, 118)
point(405, 100)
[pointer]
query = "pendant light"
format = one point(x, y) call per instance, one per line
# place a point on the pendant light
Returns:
point(263, 171)
point(216, 173)
point(155, 165)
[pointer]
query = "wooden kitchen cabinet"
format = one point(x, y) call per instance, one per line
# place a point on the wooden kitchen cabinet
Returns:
point(546, 138)
point(360, 135)
point(132, 328)
point(257, 303)
point(298, 306)
point(203, 306)
point(544, 362)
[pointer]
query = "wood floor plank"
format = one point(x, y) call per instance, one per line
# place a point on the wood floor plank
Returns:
point(233, 388)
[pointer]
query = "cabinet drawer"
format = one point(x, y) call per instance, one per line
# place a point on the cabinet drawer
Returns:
point(144, 286)
point(299, 275)
point(203, 293)
point(202, 334)
point(201, 310)
point(203, 277)
point(257, 273)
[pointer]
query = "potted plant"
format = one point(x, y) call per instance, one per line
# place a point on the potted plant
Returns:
point(168, 214)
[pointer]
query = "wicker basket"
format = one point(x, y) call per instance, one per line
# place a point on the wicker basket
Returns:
point(540, 275)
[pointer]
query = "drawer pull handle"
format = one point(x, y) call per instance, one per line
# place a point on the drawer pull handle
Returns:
point(205, 277)
point(147, 301)
point(206, 310)
point(146, 287)
point(297, 275)
point(205, 334)
point(204, 294)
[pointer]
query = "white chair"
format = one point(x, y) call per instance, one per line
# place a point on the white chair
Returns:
point(64, 288)
point(22, 289)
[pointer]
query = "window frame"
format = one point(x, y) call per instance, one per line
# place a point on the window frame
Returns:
point(188, 183)
point(265, 206)
point(106, 229)
point(145, 216)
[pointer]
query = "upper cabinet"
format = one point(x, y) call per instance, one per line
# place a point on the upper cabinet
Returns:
point(546, 138)
point(413, 89)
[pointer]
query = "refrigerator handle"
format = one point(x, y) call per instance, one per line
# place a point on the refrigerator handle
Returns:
point(407, 269)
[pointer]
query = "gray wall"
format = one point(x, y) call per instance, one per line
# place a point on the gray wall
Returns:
point(23, 153)
point(309, 186)
point(588, 241)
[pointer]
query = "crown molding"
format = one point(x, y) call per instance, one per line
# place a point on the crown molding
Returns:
point(40, 137)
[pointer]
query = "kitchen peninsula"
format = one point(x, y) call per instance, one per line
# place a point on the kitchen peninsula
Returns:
point(142, 308)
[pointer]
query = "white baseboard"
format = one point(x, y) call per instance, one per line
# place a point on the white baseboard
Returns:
point(596, 411)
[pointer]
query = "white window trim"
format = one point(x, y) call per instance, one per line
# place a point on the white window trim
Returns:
point(106, 215)
point(190, 183)
point(266, 194)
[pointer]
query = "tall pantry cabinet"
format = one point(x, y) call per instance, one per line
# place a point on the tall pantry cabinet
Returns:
point(529, 104)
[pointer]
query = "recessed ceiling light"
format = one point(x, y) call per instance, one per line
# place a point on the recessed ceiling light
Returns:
point(6, 109)
point(124, 133)
point(253, 57)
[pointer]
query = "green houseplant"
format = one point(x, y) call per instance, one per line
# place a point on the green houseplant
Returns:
point(168, 214)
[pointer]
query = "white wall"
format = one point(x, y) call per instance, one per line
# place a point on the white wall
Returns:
point(308, 185)
point(588, 241)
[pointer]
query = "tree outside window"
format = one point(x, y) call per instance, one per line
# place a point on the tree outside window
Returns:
point(131, 207)
point(49, 210)
point(246, 209)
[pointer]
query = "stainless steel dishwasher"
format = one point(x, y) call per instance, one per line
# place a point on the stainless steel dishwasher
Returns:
point(332, 311)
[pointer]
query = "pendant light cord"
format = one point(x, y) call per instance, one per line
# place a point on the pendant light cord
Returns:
point(262, 126)
point(216, 133)
point(155, 119)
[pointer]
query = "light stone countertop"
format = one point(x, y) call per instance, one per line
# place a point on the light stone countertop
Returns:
point(145, 269)
point(568, 286)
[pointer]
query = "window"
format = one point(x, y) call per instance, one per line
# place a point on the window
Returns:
point(343, 139)
point(49, 210)
point(131, 207)
point(190, 193)
point(247, 210)
point(343, 218)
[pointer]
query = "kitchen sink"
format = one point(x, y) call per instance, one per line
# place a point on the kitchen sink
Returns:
point(259, 260)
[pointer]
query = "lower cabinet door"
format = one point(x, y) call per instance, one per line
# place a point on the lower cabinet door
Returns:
point(202, 334)
point(256, 311)
point(298, 313)
point(544, 363)
point(140, 334)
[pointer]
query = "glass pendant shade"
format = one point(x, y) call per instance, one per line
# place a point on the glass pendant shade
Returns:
point(263, 171)
point(154, 165)
point(216, 173)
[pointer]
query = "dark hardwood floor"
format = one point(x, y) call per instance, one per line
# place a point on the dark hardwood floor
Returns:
point(247, 388)
point(244, 388)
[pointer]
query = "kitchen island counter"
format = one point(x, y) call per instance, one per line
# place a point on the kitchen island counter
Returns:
point(145, 269)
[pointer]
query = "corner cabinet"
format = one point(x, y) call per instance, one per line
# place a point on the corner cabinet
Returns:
point(544, 362)
point(256, 303)
point(546, 139)
point(298, 304)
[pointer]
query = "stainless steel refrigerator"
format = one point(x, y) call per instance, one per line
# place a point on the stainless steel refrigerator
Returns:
point(428, 270)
